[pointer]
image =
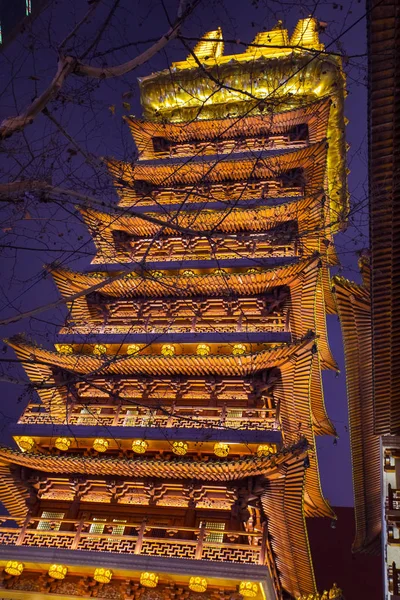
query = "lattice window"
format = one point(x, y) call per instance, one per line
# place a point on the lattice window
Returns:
point(232, 418)
point(118, 529)
point(131, 418)
point(213, 537)
point(47, 525)
point(97, 527)
point(92, 420)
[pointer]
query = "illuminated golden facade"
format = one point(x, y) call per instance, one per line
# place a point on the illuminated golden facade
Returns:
point(172, 453)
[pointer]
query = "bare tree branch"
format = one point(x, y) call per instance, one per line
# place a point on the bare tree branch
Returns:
point(68, 65)
point(19, 187)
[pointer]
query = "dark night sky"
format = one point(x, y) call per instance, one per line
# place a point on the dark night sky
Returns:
point(22, 270)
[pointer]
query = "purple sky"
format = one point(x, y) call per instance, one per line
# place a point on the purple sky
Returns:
point(22, 271)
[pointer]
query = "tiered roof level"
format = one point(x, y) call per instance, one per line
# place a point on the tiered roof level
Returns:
point(173, 442)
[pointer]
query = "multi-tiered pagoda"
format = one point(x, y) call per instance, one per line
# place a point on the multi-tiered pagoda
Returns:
point(171, 453)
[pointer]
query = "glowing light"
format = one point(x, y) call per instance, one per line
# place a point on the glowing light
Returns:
point(25, 443)
point(203, 350)
point(252, 270)
point(14, 568)
point(157, 274)
point(188, 273)
point(248, 589)
point(102, 575)
point(179, 448)
point(239, 349)
point(133, 349)
point(198, 584)
point(266, 449)
point(139, 446)
point(100, 444)
point(221, 449)
point(168, 350)
point(99, 349)
point(57, 571)
point(149, 580)
point(64, 348)
point(62, 443)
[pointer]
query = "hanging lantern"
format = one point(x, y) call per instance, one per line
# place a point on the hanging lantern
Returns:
point(248, 589)
point(139, 446)
point(157, 274)
point(57, 571)
point(221, 449)
point(149, 580)
point(188, 273)
point(239, 349)
point(25, 443)
point(13, 567)
point(64, 348)
point(62, 443)
point(99, 349)
point(203, 350)
point(221, 272)
point(265, 450)
point(168, 350)
point(252, 270)
point(198, 584)
point(179, 448)
point(102, 575)
point(100, 444)
point(133, 349)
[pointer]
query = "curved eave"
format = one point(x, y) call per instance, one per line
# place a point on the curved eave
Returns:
point(283, 505)
point(354, 307)
point(208, 284)
point(179, 468)
point(315, 115)
point(229, 220)
point(225, 169)
point(13, 494)
point(155, 364)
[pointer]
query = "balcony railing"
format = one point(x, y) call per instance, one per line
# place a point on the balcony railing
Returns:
point(393, 498)
point(394, 579)
point(140, 539)
point(193, 417)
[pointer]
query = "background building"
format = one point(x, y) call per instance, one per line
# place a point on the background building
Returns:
point(384, 168)
point(15, 16)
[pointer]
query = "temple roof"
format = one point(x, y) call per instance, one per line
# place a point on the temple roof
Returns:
point(164, 173)
point(315, 115)
point(148, 284)
point(207, 221)
point(178, 468)
point(354, 305)
point(158, 364)
point(283, 505)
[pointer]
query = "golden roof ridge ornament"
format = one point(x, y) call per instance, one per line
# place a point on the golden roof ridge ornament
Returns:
point(211, 45)
point(272, 43)
point(306, 34)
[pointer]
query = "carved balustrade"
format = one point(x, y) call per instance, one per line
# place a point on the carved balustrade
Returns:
point(128, 415)
point(394, 579)
point(393, 499)
point(199, 543)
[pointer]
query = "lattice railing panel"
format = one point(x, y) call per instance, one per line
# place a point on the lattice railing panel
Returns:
point(46, 540)
point(231, 554)
point(169, 548)
point(109, 544)
point(9, 538)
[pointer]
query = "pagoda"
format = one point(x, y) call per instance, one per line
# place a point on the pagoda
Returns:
point(171, 451)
